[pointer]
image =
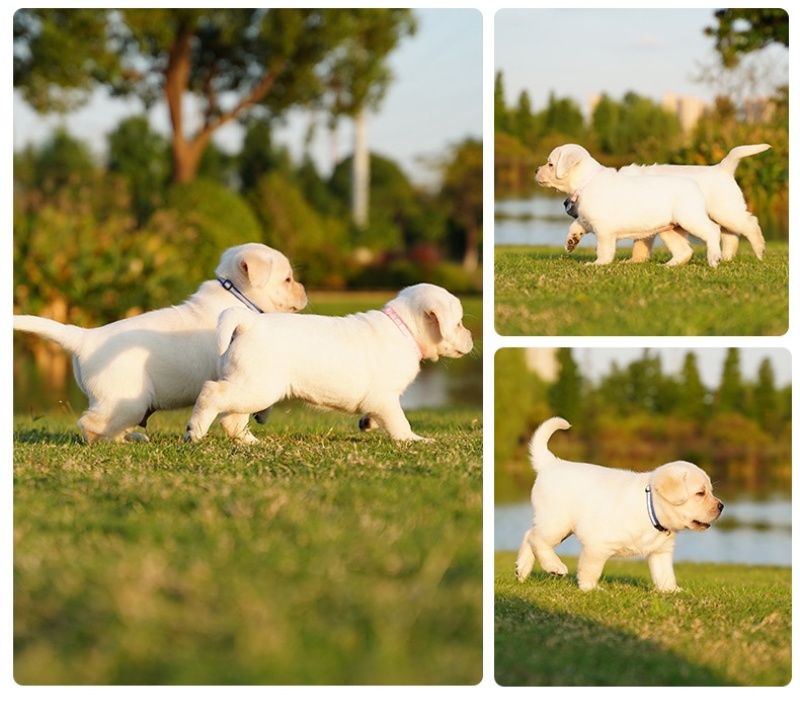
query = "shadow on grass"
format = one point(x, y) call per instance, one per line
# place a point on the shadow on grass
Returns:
point(538, 646)
point(43, 435)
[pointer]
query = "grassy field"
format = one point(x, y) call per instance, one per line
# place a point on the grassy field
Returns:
point(319, 556)
point(730, 625)
point(541, 291)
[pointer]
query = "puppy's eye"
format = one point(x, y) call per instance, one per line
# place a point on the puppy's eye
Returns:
point(701, 493)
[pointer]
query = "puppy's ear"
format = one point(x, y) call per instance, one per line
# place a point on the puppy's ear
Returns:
point(447, 318)
point(670, 483)
point(255, 268)
point(568, 157)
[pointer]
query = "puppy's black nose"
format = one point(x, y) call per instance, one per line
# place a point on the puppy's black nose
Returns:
point(720, 506)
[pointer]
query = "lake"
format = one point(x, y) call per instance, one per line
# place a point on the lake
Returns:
point(749, 532)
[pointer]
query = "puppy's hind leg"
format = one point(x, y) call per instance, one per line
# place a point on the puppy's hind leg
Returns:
point(642, 249)
point(210, 403)
point(236, 427)
point(542, 544)
point(391, 418)
point(525, 558)
point(590, 567)
point(677, 242)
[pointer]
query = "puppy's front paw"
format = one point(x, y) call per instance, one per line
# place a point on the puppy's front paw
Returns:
point(192, 434)
point(572, 241)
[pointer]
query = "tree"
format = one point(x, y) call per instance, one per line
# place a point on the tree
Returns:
point(742, 30)
point(730, 394)
point(142, 157)
point(693, 394)
point(501, 116)
point(766, 408)
point(232, 61)
point(462, 191)
point(63, 160)
point(359, 79)
point(566, 394)
point(524, 120)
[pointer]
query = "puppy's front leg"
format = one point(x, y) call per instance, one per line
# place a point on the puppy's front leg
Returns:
point(574, 236)
point(606, 248)
point(590, 567)
point(662, 571)
point(391, 418)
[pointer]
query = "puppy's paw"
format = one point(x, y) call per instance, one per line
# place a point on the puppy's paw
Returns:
point(572, 241)
point(192, 434)
point(262, 416)
point(246, 439)
point(136, 436)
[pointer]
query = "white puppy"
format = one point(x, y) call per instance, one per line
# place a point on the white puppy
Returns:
point(612, 512)
point(615, 206)
point(160, 359)
point(725, 202)
point(361, 363)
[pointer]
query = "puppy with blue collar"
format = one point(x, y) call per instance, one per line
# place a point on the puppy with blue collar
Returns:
point(612, 512)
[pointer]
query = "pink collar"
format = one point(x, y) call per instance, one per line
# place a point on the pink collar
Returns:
point(400, 324)
point(574, 196)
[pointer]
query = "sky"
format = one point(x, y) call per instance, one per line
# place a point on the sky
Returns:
point(595, 362)
point(577, 53)
point(434, 103)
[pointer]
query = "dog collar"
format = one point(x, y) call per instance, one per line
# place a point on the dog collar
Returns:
point(574, 196)
point(228, 285)
point(651, 511)
point(400, 324)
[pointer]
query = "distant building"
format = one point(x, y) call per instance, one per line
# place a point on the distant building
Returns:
point(543, 363)
point(688, 109)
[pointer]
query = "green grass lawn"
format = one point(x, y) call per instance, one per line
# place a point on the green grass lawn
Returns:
point(542, 291)
point(320, 556)
point(730, 625)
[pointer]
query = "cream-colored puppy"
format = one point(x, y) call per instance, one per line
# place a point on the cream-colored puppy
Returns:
point(612, 512)
point(361, 363)
point(161, 359)
point(615, 206)
point(725, 202)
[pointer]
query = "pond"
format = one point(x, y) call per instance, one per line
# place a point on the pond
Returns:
point(749, 532)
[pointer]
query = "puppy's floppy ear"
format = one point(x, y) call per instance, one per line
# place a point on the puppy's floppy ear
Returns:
point(447, 317)
point(255, 267)
point(669, 482)
point(569, 155)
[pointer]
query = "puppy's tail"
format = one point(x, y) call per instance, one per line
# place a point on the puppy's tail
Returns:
point(231, 323)
point(67, 336)
point(539, 452)
point(731, 160)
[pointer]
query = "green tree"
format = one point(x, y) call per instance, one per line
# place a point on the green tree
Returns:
point(258, 156)
point(462, 193)
point(694, 398)
point(742, 30)
point(231, 60)
point(524, 120)
point(566, 393)
point(142, 157)
point(766, 408)
point(63, 161)
point(502, 121)
point(563, 116)
point(730, 395)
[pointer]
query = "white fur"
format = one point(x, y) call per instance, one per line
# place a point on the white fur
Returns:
point(606, 510)
point(617, 206)
point(160, 360)
point(725, 202)
point(361, 363)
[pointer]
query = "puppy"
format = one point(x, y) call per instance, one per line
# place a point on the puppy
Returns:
point(615, 206)
point(361, 363)
point(160, 359)
point(612, 512)
point(725, 202)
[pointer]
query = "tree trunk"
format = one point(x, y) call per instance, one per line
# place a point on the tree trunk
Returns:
point(360, 176)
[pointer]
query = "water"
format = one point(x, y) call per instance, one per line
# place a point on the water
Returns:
point(748, 533)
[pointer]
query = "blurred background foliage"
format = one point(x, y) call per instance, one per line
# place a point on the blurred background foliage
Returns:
point(637, 416)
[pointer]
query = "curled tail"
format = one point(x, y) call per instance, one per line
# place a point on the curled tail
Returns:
point(539, 452)
point(67, 336)
point(231, 323)
point(731, 160)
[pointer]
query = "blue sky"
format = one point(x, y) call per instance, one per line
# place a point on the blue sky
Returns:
point(435, 102)
point(576, 53)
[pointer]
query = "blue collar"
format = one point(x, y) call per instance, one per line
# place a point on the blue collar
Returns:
point(651, 511)
point(228, 285)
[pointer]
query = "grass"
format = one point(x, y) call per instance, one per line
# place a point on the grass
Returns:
point(730, 625)
point(319, 556)
point(541, 291)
